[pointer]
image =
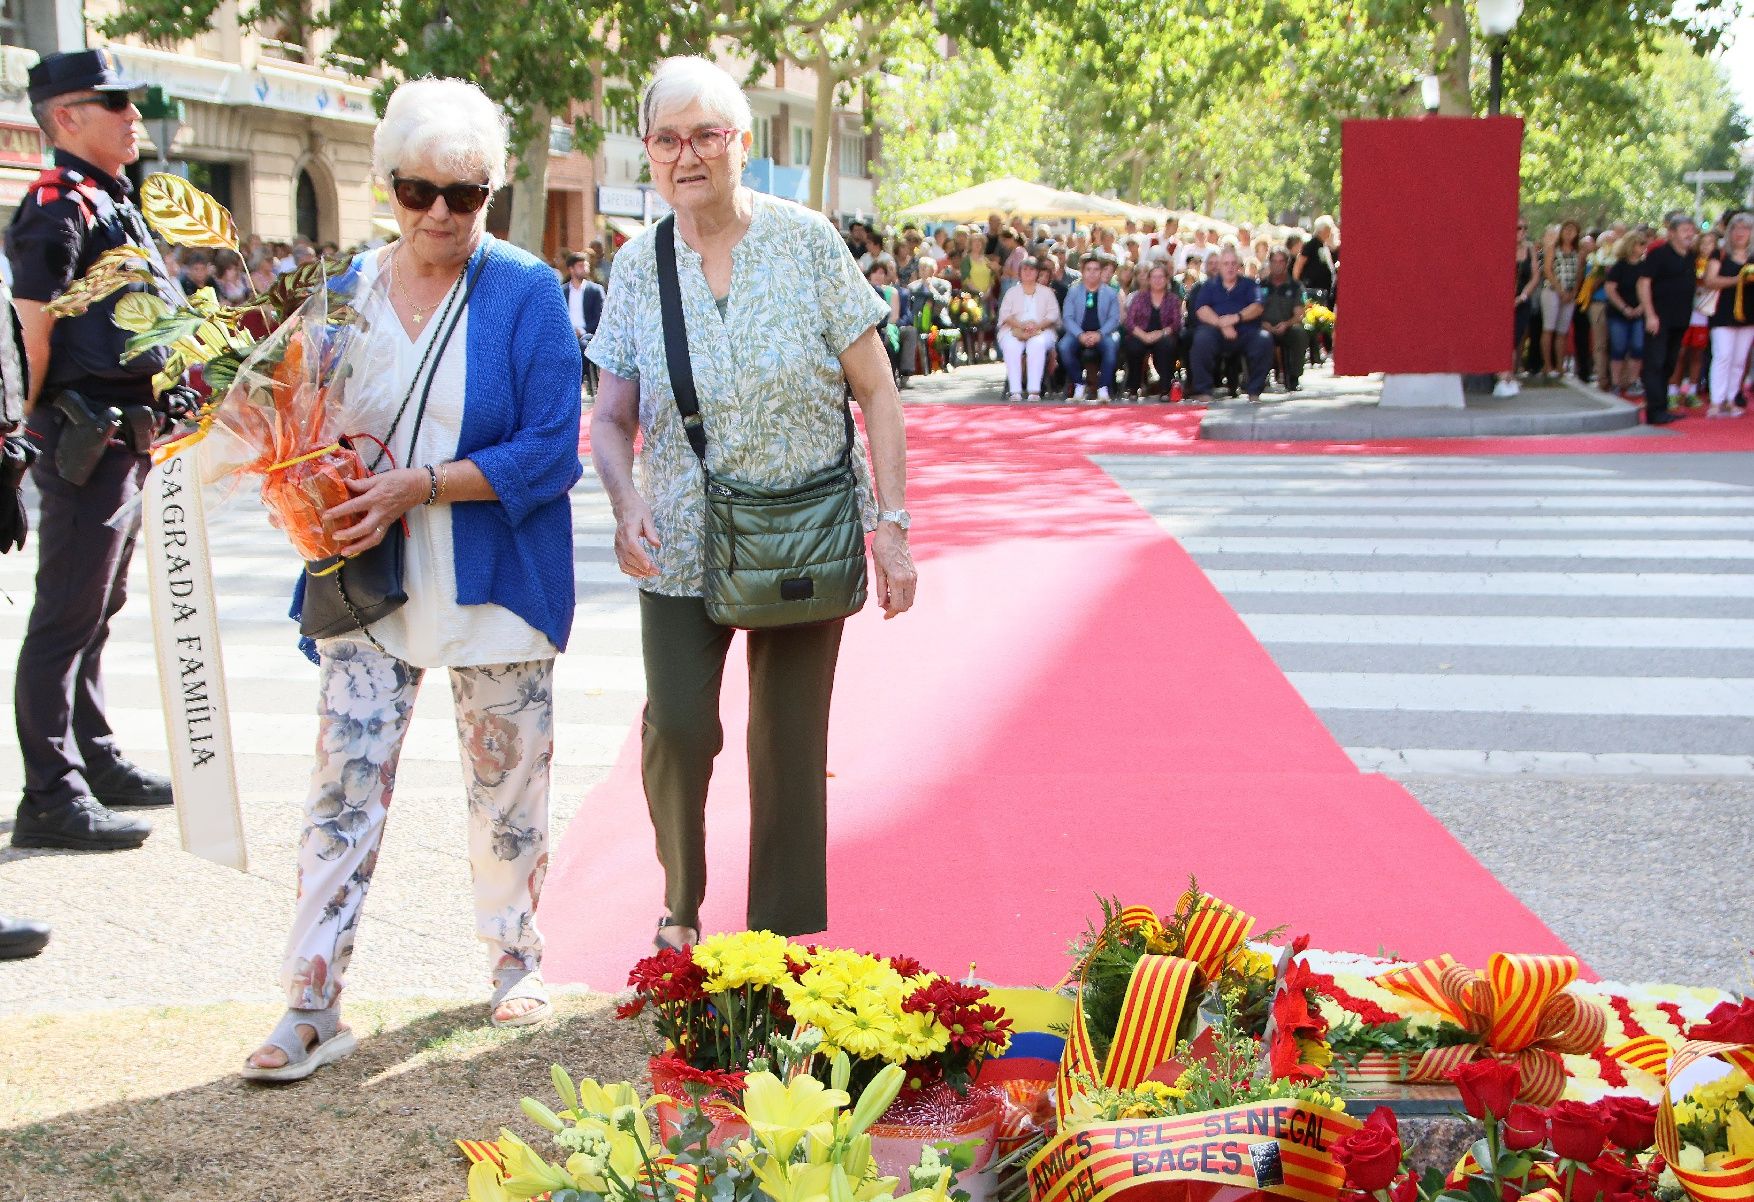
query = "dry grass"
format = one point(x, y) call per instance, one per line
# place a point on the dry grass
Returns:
point(146, 1106)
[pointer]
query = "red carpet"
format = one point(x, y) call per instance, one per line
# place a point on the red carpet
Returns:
point(1070, 710)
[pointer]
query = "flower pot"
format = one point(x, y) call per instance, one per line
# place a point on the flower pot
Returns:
point(668, 1081)
point(935, 1116)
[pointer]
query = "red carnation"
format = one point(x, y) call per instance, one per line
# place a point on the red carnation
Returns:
point(1525, 1127)
point(1632, 1122)
point(1371, 1155)
point(907, 966)
point(669, 976)
point(1729, 1022)
point(1488, 1087)
point(1579, 1130)
point(631, 1008)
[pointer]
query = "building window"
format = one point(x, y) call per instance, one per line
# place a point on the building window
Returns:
point(853, 155)
point(616, 122)
point(803, 141)
point(11, 28)
point(763, 147)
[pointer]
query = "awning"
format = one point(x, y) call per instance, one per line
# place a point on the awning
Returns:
point(1013, 196)
point(627, 227)
point(386, 226)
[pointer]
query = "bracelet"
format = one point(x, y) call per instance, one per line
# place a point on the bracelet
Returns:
point(444, 478)
point(432, 488)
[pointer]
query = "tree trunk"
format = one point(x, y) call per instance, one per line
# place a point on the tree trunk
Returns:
point(1452, 59)
point(529, 221)
point(1136, 186)
point(824, 132)
point(1212, 182)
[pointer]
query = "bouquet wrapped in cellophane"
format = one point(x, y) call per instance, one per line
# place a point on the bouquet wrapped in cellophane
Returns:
point(289, 407)
point(278, 374)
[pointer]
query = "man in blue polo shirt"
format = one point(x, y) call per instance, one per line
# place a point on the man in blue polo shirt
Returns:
point(1228, 309)
point(1091, 321)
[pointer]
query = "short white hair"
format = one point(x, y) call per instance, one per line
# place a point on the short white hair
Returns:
point(679, 82)
point(449, 123)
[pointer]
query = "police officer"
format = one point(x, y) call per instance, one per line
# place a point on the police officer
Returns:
point(93, 418)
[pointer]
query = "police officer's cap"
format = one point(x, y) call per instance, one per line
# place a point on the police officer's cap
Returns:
point(79, 71)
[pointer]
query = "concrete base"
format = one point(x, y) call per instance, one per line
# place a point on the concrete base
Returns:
point(1428, 391)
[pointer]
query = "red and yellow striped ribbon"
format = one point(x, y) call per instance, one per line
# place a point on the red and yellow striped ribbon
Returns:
point(1519, 1010)
point(1734, 1180)
point(1151, 1014)
point(1214, 931)
point(1281, 1148)
point(1649, 1053)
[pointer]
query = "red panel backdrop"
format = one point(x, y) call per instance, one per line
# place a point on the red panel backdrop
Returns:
point(1425, 203)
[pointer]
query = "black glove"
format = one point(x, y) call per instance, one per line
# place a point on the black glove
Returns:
point(16, 455)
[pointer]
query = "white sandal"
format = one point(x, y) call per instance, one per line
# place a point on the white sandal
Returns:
point(527, 986)
point(334, 1042)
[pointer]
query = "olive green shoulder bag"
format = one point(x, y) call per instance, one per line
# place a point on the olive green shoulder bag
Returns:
point(774, 556)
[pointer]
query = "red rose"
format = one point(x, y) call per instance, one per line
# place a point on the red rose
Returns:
point(1632, 1122)
point(1579, 1130)
point(1488, 1087)
point(1371, 1155)
point(1729, 1022)
point(1405, 1189)
point(1525, 1127)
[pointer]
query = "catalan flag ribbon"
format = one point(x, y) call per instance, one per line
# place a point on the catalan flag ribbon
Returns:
point(1281, 1148)
point(1732, 1181)
point(1519, 1010)
point(1157, 997)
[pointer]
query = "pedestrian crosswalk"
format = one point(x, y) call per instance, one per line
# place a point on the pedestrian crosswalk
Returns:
point(1570, 615)
point(272, 687)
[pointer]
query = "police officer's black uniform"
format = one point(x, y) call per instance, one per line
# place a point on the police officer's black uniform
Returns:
point(75, 775)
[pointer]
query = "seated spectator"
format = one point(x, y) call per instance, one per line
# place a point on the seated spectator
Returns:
point(1091, 321)
point(1011, 256)
point(928, 299)
point(1282, 317)
point(232, 283)
point(1027, 321)
point(900, 340)
point(938, 245)
point(1123, 280)
point(197, 272)
point(1057, 276)
point(1193, 249)
point(1153, 325)
point(1228, 309)
point(906, 264)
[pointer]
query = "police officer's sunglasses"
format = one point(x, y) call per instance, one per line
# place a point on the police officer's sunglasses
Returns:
point(115, 102)
point(419, 194)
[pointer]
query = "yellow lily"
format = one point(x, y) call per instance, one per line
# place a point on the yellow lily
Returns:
point(784, 1113)
point(527, 1174)
point(793, 1183)
point(938, 1191)
point(485, 1185)
point(1741, 1135)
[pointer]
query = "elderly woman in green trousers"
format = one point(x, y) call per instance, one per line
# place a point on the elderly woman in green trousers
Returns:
point(779, 323)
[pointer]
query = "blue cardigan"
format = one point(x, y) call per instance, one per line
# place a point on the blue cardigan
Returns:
point(521, 416)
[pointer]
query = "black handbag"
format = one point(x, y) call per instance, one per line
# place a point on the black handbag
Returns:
point(347, 594)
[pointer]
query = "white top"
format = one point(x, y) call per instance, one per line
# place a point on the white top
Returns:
point(432, 630)
point(1043, 308)
point(575, 306)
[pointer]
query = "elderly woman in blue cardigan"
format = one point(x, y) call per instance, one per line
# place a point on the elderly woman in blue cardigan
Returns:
point(474, 386)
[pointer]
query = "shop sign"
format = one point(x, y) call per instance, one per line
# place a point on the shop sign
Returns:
point(613, 201)
point(316, 97)
point(22, 146)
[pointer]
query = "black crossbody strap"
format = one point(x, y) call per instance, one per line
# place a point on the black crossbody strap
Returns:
point(676, 349)
point(676, 339)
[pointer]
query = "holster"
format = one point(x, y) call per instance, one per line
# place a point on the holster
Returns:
point(86, 431)
point(140, 423)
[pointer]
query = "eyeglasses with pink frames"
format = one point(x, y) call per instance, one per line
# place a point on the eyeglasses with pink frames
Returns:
point(666, 147)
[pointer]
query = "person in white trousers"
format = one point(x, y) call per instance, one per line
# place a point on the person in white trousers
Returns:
point(1731, 274)
point(1029, 317)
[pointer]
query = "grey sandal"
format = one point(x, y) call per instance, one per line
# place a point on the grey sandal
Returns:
point(302, 1059)
point(518, 987)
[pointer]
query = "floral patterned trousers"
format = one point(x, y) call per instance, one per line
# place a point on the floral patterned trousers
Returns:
point(505, 723)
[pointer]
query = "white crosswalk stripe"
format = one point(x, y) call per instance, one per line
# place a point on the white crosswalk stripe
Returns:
point(272, 687)
point(1517, 636)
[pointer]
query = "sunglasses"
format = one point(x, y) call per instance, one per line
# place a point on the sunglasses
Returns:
point(115, 102)
point(419, 194)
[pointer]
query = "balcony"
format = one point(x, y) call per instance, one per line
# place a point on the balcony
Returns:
point(790, 183)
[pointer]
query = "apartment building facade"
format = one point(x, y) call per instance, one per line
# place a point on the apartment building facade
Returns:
point(282, 136)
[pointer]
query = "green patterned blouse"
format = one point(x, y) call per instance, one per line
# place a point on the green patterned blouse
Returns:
point(768, 371)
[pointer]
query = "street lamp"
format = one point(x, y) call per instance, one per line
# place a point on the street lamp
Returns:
point(1497, 19)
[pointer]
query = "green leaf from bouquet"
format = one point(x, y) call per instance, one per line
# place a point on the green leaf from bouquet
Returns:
point(138, 312)
point(1481, 1189)
point(293, 289)
point(196, 336)
point(1514, 1166)
point(1351, 1039)
point(114, 270)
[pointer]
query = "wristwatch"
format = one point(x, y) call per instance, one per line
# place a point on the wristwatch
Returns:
point(898, 516)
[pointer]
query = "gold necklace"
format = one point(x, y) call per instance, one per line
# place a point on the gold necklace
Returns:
point(417, 313)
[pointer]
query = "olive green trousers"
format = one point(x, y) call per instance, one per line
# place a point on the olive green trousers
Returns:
point(791, 682)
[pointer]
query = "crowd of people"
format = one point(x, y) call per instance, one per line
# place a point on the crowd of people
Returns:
point(1658, 315)
point(1122, 312)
